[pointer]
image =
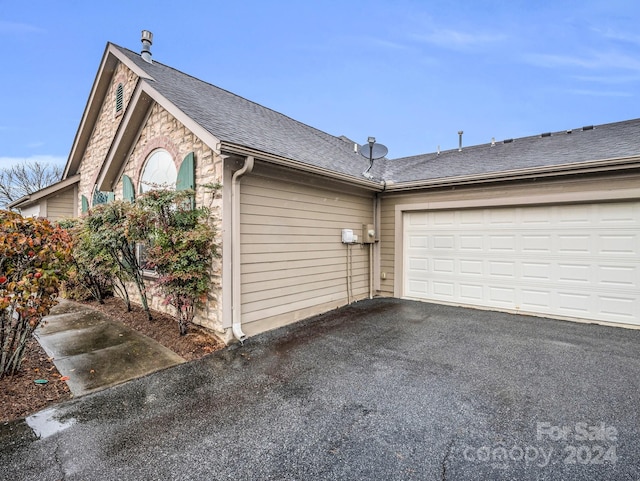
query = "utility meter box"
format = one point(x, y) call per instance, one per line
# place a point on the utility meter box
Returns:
point(368, 234)
point(348, 237)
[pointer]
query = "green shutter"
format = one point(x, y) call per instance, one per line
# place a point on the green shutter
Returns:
point(85, 205)
point(187, 176)
point(128, 192)
point(111, 196)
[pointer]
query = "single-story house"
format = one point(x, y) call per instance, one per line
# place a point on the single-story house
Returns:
point(545, 225)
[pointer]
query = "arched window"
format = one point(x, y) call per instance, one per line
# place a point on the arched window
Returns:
point(159, 172)
point(119, 99)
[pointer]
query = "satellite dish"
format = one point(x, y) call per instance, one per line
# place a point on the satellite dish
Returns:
point(372, 151)
point(377, 151)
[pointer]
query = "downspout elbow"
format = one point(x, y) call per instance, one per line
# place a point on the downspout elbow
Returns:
point(236, 326)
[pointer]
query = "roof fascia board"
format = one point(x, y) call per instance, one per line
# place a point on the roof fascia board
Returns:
point(100, 87)
point(595, 166)
point(128, 132)
point(39, 194)
point(235, 149)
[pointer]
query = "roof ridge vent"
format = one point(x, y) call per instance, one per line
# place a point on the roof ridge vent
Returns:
point(147, 40)
point(546, 134)
point(570, 131)
point(507, 141)
point(587, 127)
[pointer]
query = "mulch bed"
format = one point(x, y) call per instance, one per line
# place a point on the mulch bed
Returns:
point(163, 328)
point(20, 396)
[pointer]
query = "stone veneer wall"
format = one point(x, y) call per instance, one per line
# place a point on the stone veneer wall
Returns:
point(104, 131)
point(162, 130)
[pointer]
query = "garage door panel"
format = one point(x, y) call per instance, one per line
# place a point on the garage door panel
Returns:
point(471, 267)
point(535, 300)
point(536, 243)
point(574, 244)
point(565, 260)
point(502, 243)
point(618, 275)
point(536, 271)
point(502, 268)
point(443, 266)
point(619, 307)
point(618, 215)
point(444, 290)
point(443, 242)
point(501, 296)
point(573, 303)
point(472, 293)
point(471, 242)
point(621, 244)
point(580, 273)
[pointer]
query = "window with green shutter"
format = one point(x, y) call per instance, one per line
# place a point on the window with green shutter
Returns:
point(187, 176)
point(128, 191)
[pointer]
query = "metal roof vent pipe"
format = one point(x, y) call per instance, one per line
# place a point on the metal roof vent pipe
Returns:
point(460, 132)
point(147, 40)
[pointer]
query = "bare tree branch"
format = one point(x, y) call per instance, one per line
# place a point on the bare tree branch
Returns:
point(26, 178)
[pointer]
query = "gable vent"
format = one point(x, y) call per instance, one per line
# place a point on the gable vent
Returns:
point(119, 98)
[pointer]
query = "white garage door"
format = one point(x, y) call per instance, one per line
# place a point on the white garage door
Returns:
point(577, 261)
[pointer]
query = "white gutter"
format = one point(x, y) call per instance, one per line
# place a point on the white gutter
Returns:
point(236, 285)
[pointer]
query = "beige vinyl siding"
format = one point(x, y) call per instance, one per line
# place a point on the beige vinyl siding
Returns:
point(293, 262)
point(61, 206)
point(532, 193)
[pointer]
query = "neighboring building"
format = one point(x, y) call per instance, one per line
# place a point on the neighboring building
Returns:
point(546, 225)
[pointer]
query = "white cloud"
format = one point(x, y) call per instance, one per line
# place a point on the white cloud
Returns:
point(45, 159)
point(619, 35)
point(608, 79)
point(12, 28)
point(455, 39)
point(595, 61)
point(600, 93)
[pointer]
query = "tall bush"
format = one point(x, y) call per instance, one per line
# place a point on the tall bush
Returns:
point(34, 258)
point(108, 226)
point(180, 248)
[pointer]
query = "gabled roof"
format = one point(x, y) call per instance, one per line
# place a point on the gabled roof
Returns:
point(235, 120)
point(45, 192)
point(571, 148)
point(234, 124)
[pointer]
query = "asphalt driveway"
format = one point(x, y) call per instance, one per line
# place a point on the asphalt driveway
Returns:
point(383, 389)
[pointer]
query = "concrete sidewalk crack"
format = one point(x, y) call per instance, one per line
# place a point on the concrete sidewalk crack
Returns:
point(445, 459)
point(58, 462)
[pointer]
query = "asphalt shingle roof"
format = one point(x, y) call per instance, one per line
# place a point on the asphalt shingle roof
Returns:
point(236, 120)
point(608, 141)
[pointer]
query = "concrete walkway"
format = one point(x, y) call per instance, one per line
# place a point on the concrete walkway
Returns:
point(97, 352)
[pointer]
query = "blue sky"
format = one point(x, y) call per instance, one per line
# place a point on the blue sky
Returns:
point(410, 73)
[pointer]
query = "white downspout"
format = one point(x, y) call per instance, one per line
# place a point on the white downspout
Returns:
point(236, 285)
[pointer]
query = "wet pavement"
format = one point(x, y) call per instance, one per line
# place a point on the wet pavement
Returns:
point(383, 389)
point(97, 352)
